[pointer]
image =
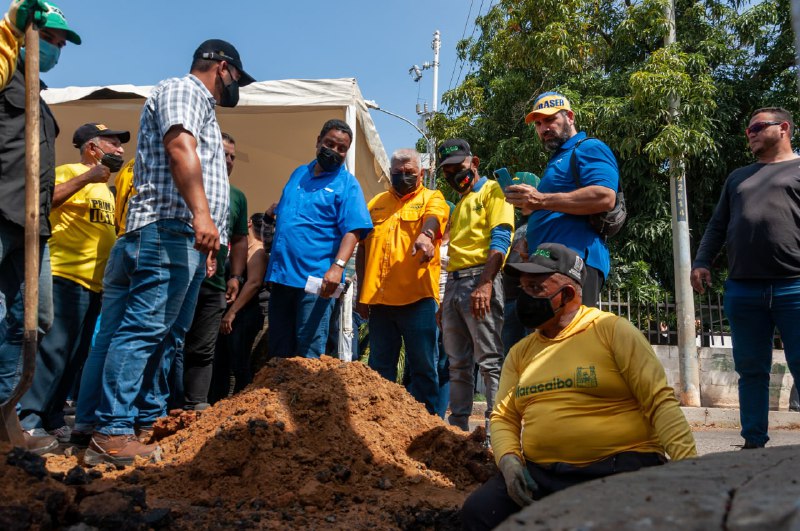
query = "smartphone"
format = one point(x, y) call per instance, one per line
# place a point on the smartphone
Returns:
point(526, 177)
point(502, 177)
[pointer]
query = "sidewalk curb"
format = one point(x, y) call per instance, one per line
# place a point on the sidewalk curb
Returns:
point(708, 417)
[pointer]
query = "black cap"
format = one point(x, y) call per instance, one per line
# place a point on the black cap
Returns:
point(88, 131)
point(453, 151)
point(552, 258)
point(219, 50)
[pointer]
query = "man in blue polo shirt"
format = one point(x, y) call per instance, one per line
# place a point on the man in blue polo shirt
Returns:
point(559, 209)
point(320, 217)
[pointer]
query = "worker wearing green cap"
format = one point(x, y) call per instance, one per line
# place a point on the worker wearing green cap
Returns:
point(54, 32)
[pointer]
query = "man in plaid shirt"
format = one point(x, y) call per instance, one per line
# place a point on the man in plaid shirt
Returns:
point(176, 224)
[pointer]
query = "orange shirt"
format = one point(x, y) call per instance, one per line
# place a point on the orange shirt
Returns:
point(391, 275)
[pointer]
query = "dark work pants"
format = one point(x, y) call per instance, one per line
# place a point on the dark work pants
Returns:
point(61, 354)
point(591, 286)
point(490, 505)
point(201, 342)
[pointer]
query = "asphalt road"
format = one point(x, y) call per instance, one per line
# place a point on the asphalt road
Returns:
point(716, 440)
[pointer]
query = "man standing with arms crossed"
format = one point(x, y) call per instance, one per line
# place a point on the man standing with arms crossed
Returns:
point(177, 218)
point(757, 219)
point(472, 309)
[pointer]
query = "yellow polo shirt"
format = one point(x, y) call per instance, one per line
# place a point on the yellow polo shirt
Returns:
point(82, 231)
point(392, 276)
point(471, 224)
point(125, 190)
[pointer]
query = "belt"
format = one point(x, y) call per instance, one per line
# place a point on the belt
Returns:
point(465, 273)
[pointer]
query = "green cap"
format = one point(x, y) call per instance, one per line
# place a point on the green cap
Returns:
point(55, 19)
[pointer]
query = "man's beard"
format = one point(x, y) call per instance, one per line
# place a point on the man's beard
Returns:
point(554, 143)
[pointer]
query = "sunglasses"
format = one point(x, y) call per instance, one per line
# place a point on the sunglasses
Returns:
point(759, 126)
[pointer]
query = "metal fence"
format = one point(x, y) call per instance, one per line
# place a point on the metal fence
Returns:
point(658, 320)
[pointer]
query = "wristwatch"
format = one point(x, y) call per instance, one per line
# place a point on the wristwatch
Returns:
point(339, 262)
point(240, 278)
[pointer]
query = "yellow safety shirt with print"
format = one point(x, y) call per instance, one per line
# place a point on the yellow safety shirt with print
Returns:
point(594, 390)
point(83, 231)
point(123, 185)
point(392, 276)
point(9, 52)
point(471, 224)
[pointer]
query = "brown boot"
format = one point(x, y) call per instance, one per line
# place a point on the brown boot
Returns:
point(119, 450)
point(39, 444)
point(144, 434)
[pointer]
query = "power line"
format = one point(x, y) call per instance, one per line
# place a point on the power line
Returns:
point(474, 27)
point(463, 34)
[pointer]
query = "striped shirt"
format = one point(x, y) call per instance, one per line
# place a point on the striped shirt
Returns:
point(188, 103)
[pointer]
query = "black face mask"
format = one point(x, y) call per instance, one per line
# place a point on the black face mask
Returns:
point(535, 311)
point(230, 93)
point(112, 161)
point(461, 181)
point(328, 158)
point(404, 183)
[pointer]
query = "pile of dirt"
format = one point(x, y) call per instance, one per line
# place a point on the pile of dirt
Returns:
point(311, 444)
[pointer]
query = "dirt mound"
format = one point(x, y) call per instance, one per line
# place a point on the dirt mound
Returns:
point(319, 444)
point(311, 444)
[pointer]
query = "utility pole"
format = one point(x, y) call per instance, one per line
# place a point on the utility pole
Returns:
point(681, 255)
point(422, 111)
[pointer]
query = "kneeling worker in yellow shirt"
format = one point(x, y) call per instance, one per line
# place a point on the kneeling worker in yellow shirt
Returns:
point(581, 398)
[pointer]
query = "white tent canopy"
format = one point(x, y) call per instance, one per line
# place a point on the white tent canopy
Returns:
point(275, 126)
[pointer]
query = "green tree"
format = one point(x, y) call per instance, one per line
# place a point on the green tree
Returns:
point(608, 57)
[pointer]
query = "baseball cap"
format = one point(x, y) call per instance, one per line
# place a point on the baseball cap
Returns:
point(54, 19)
point(552, 258)
point(88, 131)
point(219, 50)
point(548, 104)
point(453, 151)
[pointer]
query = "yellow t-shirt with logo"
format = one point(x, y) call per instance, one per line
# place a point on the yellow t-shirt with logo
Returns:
point(595, 390)
point(82, 231)
point(471, 224)
point(123, 185)
point(392, 276)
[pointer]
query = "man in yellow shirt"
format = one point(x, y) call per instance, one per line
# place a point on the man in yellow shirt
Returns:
point(472, 309)
point(581, 398)
point(83, 233)
point(398, 270)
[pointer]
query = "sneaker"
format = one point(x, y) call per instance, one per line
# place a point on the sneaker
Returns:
point(63, 434)
point(37, 441)
point(119, 450)
point(81, 439)
point(144, 434)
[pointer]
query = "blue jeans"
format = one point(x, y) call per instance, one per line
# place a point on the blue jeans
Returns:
point(12, 304)
point(298, 323)
point(413, 325)
point(513, 330)
point(61, 354)
point(443, 369)
point(754, 308)
point(150, 290)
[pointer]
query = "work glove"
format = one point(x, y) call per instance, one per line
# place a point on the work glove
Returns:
point(20, 10)
point(519, 483)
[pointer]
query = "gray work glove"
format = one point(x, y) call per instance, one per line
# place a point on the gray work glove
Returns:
point(519, 483)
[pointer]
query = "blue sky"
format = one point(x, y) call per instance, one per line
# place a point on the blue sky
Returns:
point(143, 41)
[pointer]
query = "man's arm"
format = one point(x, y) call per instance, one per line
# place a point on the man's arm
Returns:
point(424, 242)
point(645, 377)
point(482, 294)
point(238, 262)
point(187, 173)
point(711, 244)
point(582, 201)
point(62, 192)
point(333, 276)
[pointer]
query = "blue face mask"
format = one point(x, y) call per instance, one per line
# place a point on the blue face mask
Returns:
point(48, 55)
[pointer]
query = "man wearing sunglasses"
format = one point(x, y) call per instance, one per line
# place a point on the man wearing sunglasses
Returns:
point(757, 219)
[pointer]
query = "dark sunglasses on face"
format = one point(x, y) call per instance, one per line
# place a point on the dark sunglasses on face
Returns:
point(759, 126)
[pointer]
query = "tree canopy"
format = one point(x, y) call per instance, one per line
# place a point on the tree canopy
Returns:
point(608, 57)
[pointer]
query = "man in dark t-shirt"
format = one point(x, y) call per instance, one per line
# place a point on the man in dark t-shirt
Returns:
point(757, 218)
